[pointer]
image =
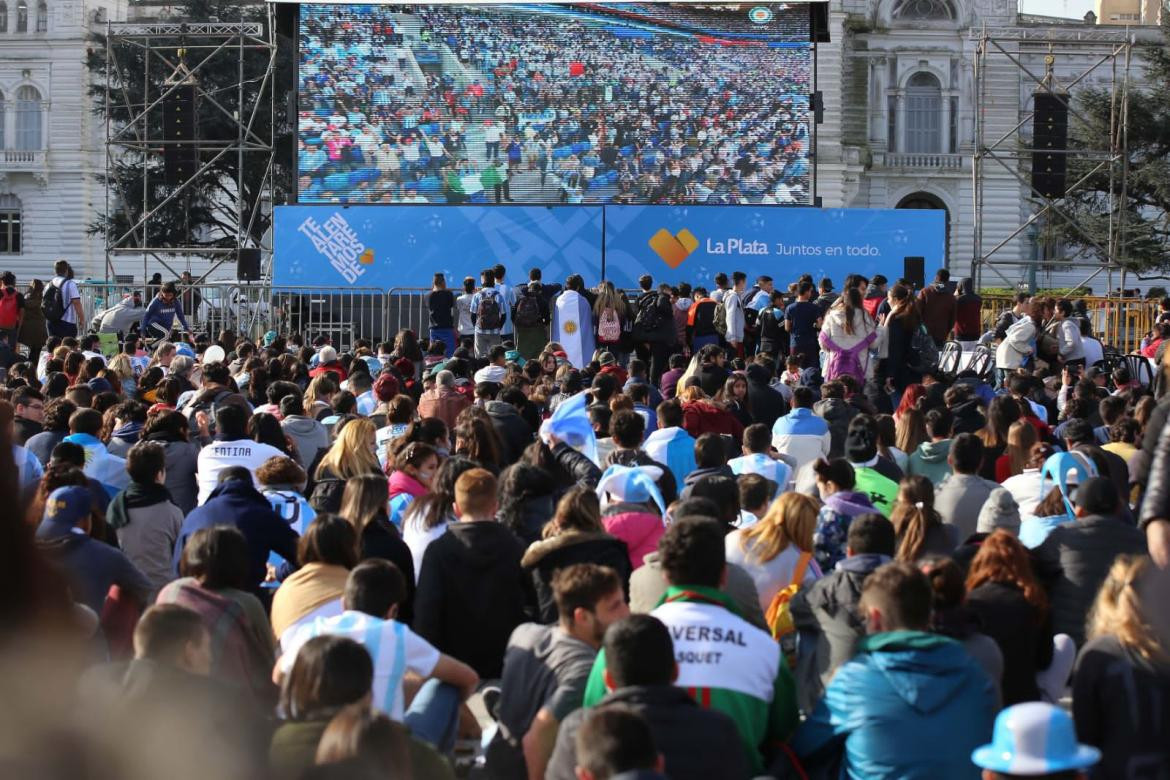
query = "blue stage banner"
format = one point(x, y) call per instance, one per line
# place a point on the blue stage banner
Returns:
point(693, 243)
point(388, 246)
point(404, 245)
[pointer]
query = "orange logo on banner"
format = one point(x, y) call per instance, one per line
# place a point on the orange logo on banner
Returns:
point(673, 249)
point(367, 257)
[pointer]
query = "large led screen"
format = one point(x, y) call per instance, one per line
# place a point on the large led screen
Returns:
point(554, 103)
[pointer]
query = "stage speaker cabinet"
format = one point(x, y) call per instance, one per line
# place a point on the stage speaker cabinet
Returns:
point(248, 264)
point(914, 271)
point(1050, 144)
point(180, 155)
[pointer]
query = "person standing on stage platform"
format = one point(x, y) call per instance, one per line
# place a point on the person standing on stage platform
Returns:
point(508, 293)
point(487, 313)
point(441, 307)
point(572, 322)
point(464, 322)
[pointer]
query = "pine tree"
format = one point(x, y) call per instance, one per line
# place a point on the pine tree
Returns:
point(1145, 243)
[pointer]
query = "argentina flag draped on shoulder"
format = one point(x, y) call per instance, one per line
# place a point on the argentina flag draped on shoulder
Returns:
point(572, 327)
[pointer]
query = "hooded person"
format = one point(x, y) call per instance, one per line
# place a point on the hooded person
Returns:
point(308, 435)
point(835, 482)
point(636, 515)
point(837, 412)
point(572, 323)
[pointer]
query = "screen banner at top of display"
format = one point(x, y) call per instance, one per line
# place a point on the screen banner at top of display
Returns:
point(554, 103)
point(404, 246)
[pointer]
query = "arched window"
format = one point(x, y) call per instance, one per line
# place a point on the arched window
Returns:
point(42, 17)
point(927, 200)
point(22, 16)
point(3, 17)
point(923, 114)
point(924, 10)
point(10, 225)
point(28, 119)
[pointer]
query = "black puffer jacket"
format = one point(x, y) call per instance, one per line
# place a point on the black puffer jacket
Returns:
point(837, 413)
point(1073, 562)
point(514, 432)
point(582, 470)
point(545, 558)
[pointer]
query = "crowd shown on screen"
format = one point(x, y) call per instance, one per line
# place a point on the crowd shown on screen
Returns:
point(685, 533)
point(544, 100)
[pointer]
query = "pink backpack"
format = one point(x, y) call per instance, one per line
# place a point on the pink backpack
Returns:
point(609, 328)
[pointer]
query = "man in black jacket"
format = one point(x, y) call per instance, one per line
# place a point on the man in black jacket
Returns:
point(640, 671)
point(514, 432)
point(1075, 558)
point(471, 591)
point(654, 325)
point(826, 611)
point(767, 405)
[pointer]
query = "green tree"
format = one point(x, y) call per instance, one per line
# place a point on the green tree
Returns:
point(1145, 242)
point(205, 214)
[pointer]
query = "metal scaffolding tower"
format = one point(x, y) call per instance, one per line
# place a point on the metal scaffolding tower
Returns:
point(1058, 61)
point(136, 54)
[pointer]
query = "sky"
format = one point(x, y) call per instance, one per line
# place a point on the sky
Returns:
point(1069, 9)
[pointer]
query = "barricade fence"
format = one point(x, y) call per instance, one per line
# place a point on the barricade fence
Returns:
point(349, 313)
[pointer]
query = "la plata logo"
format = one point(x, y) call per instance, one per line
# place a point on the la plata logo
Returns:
point(673, 248)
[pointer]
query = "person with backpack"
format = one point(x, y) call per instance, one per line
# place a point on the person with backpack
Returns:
point(33, 333)
point(11, 310)
point(703, 320)
point(487, 313)
point(612, 315)
point(937, 307)
point(530, 317)
point(654, 325)
point(755, 300)
point(61, 303)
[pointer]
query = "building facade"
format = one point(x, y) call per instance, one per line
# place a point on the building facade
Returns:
point(51, 142)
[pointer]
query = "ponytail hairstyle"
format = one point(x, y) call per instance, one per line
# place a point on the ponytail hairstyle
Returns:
point(913, 516)
point(1122, 608)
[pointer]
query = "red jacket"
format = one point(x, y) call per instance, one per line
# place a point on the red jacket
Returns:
point(701, 417)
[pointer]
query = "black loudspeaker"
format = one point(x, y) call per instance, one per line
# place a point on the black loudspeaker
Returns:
point(1050, 145)
point(248, 264)
point(914, 271)
point(180, 155)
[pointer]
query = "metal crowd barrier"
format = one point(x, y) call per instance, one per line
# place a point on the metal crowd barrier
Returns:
point(349, 313)
point(1120, 323)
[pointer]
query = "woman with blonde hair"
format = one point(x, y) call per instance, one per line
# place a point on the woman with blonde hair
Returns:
point(352, 454)
point(1121, 683)
point(120, 364)
point(319, 396)
point(918, 529)
point(778, 550)
point(1021, 438)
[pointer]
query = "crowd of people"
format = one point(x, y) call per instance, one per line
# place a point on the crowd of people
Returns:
point(693, 543)
point(593, 109)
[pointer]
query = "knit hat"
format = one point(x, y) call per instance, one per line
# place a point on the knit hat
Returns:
point(1000, 511)
point(514, 356)
point(404, 366)
point(327, 354)
point(64, 508)
point(386, 387)
point(270, 338)
point(607, 359)
point(99, 384)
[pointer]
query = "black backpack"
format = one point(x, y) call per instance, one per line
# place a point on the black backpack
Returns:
point(489, 317)
point(53, 303)
point(649, 318)
point(527, 312)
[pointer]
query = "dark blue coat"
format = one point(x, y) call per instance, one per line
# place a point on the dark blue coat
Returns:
point(909, 705)
point(239, 504)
